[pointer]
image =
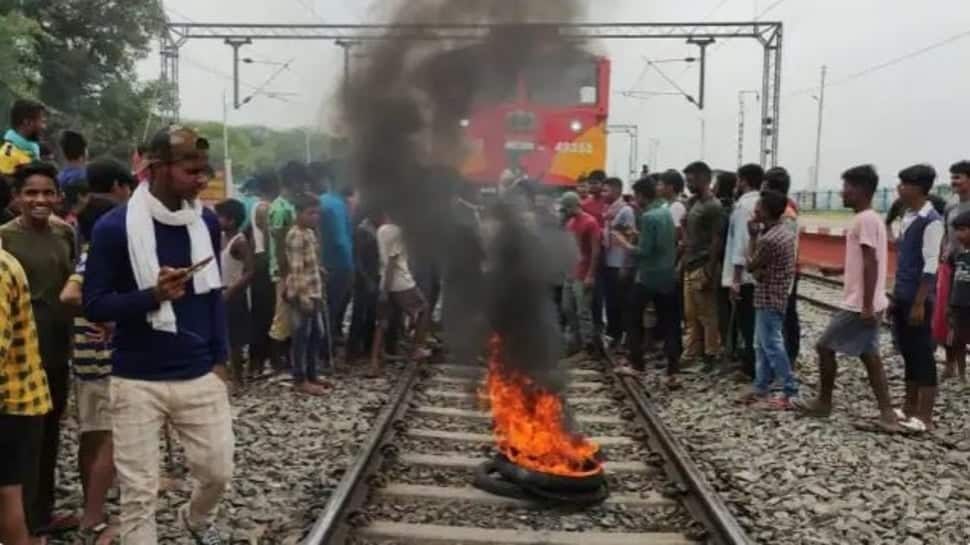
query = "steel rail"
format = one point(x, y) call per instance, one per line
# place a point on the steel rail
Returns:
point(702, 501)
point(351, 487)
point(832, 282)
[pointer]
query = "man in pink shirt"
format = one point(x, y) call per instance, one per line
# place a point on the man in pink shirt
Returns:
point(854, 331)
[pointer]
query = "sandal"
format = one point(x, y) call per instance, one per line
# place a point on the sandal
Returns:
point(809, 409)
point(626, 371)
point(878, 426)
point(60, 524)
point(780, 404)
point(914, 425)
point(94, 534)
point(752, 398)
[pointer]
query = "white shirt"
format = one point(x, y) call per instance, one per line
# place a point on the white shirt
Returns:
point(677, 211)
point(390, 244)
point(259, 240)
point(932, 237)
point(738, 237)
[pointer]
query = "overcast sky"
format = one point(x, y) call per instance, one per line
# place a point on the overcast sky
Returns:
point(914, 111)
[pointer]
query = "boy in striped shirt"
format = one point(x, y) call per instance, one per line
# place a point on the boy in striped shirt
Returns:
point(92, 372)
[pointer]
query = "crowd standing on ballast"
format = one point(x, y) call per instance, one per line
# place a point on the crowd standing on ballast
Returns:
point(116, 283)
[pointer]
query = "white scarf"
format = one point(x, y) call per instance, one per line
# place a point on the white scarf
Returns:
point(143, 208)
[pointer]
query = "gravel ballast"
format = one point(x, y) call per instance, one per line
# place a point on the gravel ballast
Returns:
point(801, 481)
point(291, 451)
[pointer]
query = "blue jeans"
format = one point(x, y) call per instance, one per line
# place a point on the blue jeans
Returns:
point(770, 351)
point(305, 344)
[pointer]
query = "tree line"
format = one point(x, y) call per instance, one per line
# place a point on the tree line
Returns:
point(78, 58)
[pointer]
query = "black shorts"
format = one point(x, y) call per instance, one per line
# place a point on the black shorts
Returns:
point(19, 447)
point(410, 302)
point(959, 324)
point(915, 344)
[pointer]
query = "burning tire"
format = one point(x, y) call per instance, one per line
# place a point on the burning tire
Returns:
point(552, 484)
point(489, 479)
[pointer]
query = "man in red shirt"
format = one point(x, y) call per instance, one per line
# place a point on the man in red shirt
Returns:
point(593, 204)
point(578, 292)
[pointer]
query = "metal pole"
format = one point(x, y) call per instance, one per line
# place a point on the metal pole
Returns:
point(634, 151)
point(347, 45)
point(765, 109)
point(309, 156)
point(742, 121)
point(818, 138)
point(702, 43)
point(776, 98)
point(703, 139)
point(227, 158)
point(740, 128)
point(655, 152)
point(235, 44)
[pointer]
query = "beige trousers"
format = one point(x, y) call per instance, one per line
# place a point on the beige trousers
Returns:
point(700, 314)
point(199, 412)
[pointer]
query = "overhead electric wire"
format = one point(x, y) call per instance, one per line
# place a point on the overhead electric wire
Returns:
point(722, 43)
point(772, 6)
point(646, 67)
point(670, 80)
point(261, 89)
point(889, 63)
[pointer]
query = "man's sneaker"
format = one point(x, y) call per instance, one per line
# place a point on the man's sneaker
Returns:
point(207, 535)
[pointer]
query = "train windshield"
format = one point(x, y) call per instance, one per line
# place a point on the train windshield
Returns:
point(563, 80)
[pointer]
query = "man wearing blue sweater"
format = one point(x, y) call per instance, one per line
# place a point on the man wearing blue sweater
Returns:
point(150, 271)
point(917, 261)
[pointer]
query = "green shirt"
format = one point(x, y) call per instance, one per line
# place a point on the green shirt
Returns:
point(48, 259)
point(656, 254)
point(282, 216)
point(705, 221)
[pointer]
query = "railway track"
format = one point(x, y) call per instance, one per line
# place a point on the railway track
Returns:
point(411, 482)
point(822, 291)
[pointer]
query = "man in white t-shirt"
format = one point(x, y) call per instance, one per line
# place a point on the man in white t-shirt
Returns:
point(398, 292)
point(734, 274)
point(854, 331)
point(671, 189)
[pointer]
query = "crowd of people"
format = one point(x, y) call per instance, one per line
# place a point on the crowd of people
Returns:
point(116, 283)
point(724, 263)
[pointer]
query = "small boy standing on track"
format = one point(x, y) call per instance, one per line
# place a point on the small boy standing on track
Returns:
point(237, 273)
point(305, 296)
point(958, 309)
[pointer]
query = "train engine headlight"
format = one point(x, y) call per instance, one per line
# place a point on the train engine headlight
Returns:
point(465, 123)
point(576, 126)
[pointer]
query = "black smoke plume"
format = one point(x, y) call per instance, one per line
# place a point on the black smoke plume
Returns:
point(403, 110)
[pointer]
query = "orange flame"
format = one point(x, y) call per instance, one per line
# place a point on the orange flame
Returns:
point(527, 421)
